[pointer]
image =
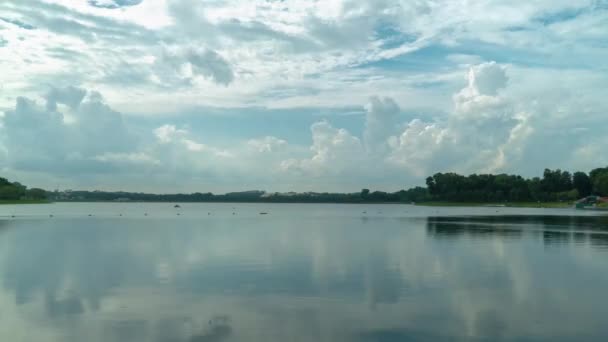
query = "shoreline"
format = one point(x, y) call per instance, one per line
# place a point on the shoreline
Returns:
point(558, 205)
point(553, 205)
point(11, 202)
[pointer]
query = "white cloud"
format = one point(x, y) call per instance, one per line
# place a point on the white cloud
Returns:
point(483, 133)
point(179, 58)
point(128, 158)
point(334, 152)
point(167, 133)
point(39, 138)
point(267, 144)
point(380, 124)
point(418, 145)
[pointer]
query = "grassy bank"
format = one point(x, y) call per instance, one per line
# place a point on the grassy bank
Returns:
point(24, 202)
point(511, 205)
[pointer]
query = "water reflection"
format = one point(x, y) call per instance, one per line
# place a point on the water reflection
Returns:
point(554, 230)
point(314, 279)
point(595, 223)
point(452, 229)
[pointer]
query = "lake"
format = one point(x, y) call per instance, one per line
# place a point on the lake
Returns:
point(302, 272)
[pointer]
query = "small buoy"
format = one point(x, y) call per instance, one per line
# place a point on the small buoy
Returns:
point(90, 215)
point(145, 214)
point(178, 214)
point(208, 213)
point(233, 213)
point(51, 215)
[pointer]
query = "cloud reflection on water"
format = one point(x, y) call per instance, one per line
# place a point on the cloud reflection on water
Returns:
point(332, 279)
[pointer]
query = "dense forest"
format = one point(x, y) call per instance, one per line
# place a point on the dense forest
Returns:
point(17, 192)
point(553, 186)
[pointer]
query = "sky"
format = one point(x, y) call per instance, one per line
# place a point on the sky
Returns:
point(298, 95)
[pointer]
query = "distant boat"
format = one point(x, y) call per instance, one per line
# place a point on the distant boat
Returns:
point(263, 213)
point(177, 206)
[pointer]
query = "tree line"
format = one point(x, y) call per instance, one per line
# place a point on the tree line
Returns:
point(554, 185)
point(365, 196)
point(15, 191)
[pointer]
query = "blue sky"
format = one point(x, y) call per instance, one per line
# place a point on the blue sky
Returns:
point(333, 95)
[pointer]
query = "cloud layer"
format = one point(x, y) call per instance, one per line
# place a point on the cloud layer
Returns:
point(300, 95)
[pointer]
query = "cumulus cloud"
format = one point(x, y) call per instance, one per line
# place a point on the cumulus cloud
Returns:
point(181, 139)
point(168, 133)
point(69, 96)
point(334, 152)
point(487, 79)
point(482, 133)
point(268, 144)
point(380, 124)
point(41, 138)
point(418, 146)
point(488, 129)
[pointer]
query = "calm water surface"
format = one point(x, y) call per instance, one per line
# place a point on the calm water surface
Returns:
point(223, 272)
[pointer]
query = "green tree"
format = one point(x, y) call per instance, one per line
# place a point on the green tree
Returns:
point(430, 184)
point(582, 182)
point(36, 194)
point(600, 184)
point(556, 181)
point(364, 193)
point(596, 172)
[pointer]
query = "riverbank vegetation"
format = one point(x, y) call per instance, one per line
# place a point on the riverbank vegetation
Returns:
point(556, 188)
point(568, 204)
point(16, 193)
